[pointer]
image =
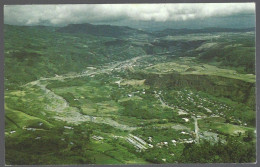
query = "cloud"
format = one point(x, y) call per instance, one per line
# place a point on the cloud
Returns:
point(95, 13)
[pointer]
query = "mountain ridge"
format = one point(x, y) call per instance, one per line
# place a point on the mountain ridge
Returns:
point(100, 30)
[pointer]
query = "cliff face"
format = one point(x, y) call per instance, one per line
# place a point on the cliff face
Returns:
point(234, 89)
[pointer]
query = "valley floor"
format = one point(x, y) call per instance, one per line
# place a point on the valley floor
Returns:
point(125, 112)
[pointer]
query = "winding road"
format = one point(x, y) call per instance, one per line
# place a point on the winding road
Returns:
point(180, 111)
point(196, 129)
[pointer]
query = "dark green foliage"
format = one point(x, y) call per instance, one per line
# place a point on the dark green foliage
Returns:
point(237, 53)
point(145, 110)
point(49, 147)
point(224, 87)
point(233, 151)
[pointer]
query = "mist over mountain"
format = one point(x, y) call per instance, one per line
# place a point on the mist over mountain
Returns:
point(239, 21)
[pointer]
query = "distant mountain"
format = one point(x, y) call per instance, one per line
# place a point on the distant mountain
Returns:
point(204, 30)
point(124, 31)
point(100, 30)
point(237, 21)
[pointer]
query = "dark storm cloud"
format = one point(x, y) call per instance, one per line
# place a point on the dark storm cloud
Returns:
point(67, 14)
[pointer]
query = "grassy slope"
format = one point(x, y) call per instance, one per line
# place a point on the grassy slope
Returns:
point(187, 66)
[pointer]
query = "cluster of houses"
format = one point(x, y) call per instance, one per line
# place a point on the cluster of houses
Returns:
point(97, 138)
point(68, 127)
point(174, 142)
point(161, 144)
point(137, 92)
point(141, 145)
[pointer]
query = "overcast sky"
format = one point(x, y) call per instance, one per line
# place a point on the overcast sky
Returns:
point(59, 15)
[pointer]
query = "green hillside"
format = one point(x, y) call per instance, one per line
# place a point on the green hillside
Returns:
point(40, 52)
